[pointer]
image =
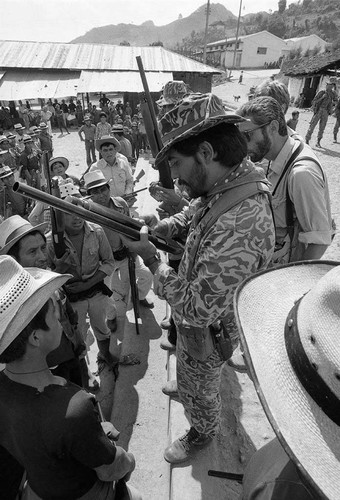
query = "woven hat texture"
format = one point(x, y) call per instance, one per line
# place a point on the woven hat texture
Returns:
point(262, 304)
point(23, 292)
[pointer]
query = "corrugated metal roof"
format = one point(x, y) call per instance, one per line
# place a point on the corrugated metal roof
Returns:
point(311, 65)
point(43, 55)
point(17, 85)
point(121, 81)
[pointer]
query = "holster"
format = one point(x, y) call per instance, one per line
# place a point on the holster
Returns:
point(91, 292)
point(197, 341)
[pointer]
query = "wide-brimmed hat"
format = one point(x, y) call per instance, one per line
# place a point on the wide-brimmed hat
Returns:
point(13, 229)
point(87, 118)
point(94, 179)
point(18, 126)
point(5, 170)
point(59, 159)
point(194, 114)
point(27, 138)
point(107, 138)
point(23, 292)
point(43, 126)
point(173, 92)
point(289, 322)
point(102, 113)
point(10, 136)
point(117, 127)
point(3, 138)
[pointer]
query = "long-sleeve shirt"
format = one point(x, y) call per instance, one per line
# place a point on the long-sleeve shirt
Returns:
point(239, 243)
point(119, 175)
point(96, 253)
point(102, 129)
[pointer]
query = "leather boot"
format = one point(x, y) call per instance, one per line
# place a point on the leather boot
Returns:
point(335, 138)
point(183, 448)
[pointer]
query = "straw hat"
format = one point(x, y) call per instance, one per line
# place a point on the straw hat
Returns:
point(194, 114)
point(278, 331)
point(13, 229)
point(27, 138)
point(59, 159)
point(3, 138)
point(107, 138)
point(117, 127)
point(18, 126)
point(5, 171)
point(23, 292)
point(43, 126)
point(94, 179)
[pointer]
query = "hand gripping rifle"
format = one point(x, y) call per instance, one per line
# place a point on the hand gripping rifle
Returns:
point(90, 211)
point(57, 217)
point(152, 131)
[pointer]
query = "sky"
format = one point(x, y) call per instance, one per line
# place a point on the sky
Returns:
point(64, 20)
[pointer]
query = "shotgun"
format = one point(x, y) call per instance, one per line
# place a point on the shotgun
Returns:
point(152, 131)
point(99, 215)
point(57, 217)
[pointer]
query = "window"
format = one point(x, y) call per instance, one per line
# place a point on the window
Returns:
point(262, 50)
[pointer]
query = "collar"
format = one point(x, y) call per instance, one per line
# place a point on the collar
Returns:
point(87, 230)
point(280, 161)
point(233, 175)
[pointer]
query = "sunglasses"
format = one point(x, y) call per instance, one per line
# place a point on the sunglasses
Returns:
point(248, 133)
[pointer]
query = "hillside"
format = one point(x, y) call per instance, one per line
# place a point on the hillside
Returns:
point(147, 33)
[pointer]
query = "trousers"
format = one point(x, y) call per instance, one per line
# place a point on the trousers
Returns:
point(198, 384)
point(119, 283)
point(90, 152)
point(96, 308)
point(320, 116)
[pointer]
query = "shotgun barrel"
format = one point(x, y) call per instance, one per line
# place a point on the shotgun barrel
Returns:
point(108, 220)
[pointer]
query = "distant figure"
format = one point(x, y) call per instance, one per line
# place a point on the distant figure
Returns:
point(293, 121)
point(237, 98)
point(322, 106)
point(336, 113)
point(240, 80)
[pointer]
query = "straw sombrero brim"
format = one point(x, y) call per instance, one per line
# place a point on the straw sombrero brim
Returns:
point(59, 159)
point(308, 436)
point(46, 283)
point(39, 227)
point(195, 129)
point(111, 140)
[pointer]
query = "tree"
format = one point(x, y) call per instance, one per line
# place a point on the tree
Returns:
point(282, 6)
point(156, 44)
point(125, 43)
point(277, 26)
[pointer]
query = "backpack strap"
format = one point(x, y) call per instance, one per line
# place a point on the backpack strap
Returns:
point(228, 200)
point(289, 204)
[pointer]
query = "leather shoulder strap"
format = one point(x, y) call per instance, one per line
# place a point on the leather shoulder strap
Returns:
point(225, 202)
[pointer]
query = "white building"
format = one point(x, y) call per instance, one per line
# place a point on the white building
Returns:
point(306, 43)
point(253, 51)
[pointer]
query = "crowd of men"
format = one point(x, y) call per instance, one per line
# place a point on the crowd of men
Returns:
point(250, 198)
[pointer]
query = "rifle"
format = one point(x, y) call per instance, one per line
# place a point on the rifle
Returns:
point(96, 213)
point(152, 131)
point(57, 217)
point(134, 289)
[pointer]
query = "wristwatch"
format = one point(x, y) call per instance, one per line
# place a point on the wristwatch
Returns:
point(151, 260)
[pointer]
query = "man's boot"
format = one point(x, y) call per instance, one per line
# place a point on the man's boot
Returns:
point(318, 145)
point(186, 446)
point(335, 138)
point(105, 358)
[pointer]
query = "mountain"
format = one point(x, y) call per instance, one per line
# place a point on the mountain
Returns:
point(147, 33)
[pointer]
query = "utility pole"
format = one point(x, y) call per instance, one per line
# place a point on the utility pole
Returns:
point(237, 31)
point(206, 32)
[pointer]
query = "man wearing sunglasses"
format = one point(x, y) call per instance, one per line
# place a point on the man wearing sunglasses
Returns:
point(300, 195)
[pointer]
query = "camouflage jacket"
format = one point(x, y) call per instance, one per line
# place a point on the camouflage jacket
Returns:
point(240, 243)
